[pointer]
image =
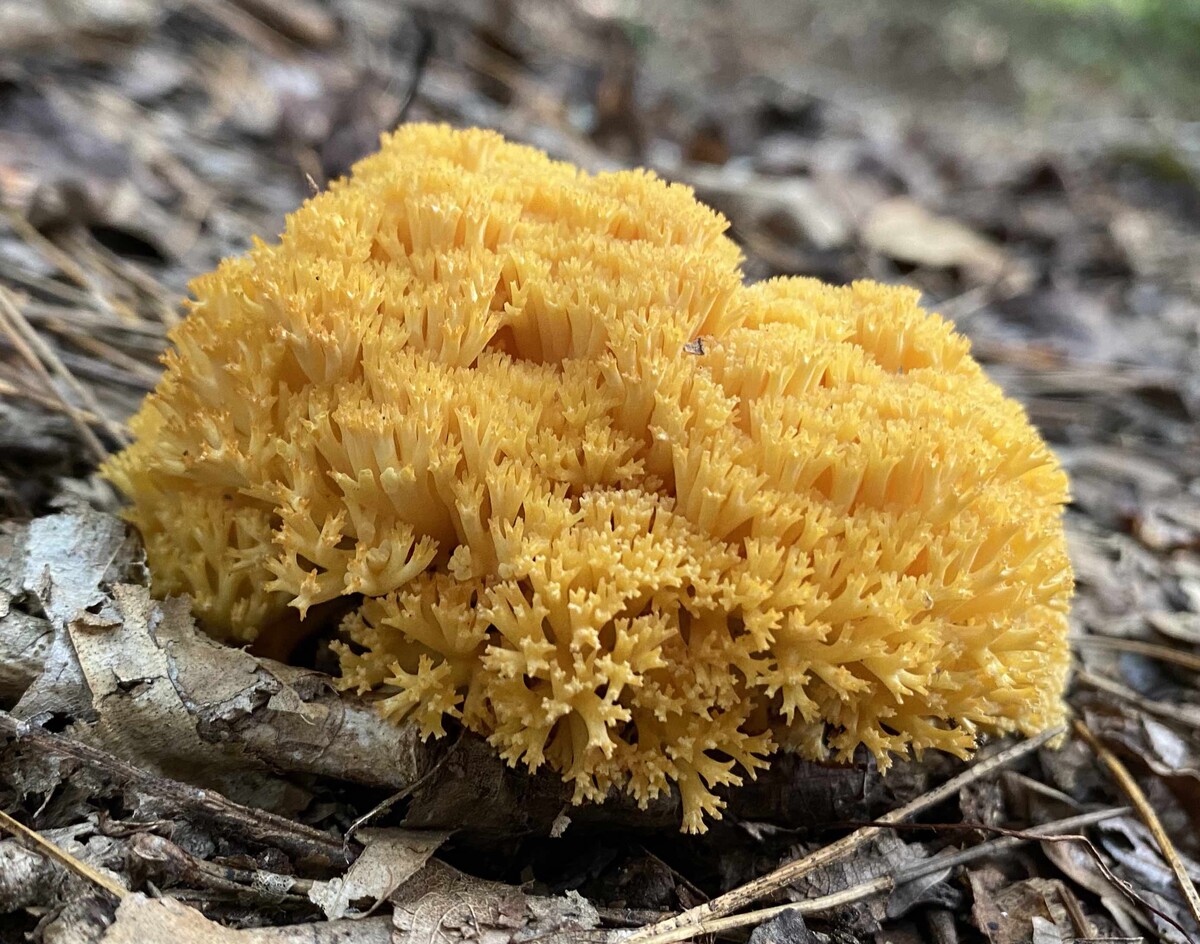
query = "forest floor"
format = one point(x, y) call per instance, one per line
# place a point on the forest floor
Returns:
point(1032, 168)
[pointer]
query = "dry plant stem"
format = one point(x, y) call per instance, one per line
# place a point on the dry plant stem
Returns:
point(101, 372)
point(1075, 822)
point(48, 357)
point(181, 871)
point(101, 278)
point(141, 375)
point(1182, 714)
point(11, 321)
point(68, 266)
point(1187, 660)
point(387, 803)
point(80, 319)
point(53, 288)
point(255, 825)
point(739, 898)
point(166, 304)
point(1146, 811)
point(62, 857)
point(11, 390)
point(1083, 927)
point(1124, 887)
point(250, 28)
point(301, 21)
point(1061, 829)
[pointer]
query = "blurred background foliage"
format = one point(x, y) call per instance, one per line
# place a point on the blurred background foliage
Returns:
point(1048, 56)
point(1147, 48)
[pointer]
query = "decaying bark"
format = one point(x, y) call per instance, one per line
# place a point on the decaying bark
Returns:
point(77, 638)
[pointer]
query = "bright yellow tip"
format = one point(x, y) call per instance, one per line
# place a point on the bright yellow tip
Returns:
point(590, 494)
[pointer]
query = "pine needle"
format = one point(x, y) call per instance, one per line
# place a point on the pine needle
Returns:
point(62, 857)
point(683, 926)
point(1144, 810)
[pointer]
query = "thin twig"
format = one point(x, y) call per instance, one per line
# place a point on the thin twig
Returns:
point(119, 267)
point(83, 367)
point(1065, 829)
point(12, 390)
point(180, 868)
point(1118, 883)
point(1188, 660)
point(48, 356)
point(83, 247)
point(62, 857)
point(141, 374)
point(388, 802)
point(738, 898)
point(67, 294)
point(420, 60)
point(50, 252)
point(1124, 887)
point(66, 264)
point(12, 322)
point(1183, 714)
point(254, 825)
point(81, 316)
point(249, 28)
point(1146, 811)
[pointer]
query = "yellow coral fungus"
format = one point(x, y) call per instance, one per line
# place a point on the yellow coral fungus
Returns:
point(589, 494)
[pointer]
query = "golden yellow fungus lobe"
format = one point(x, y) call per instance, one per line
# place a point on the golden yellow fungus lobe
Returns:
point(590, 495)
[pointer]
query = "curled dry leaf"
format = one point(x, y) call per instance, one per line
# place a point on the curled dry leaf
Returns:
point(157, 692)
point(391, 858)
point(1034, 909)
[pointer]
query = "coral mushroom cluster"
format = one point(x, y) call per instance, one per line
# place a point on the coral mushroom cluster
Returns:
point(581, 489)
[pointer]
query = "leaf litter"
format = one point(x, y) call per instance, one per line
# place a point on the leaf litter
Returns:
point(236, 798)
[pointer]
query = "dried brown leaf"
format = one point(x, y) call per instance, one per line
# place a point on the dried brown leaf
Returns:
point(391, 858)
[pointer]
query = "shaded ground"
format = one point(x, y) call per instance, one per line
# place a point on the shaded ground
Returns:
point(1035, 174)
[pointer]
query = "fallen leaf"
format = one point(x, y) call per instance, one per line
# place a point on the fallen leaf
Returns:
point(1033, 909)
point(903, 230)
point(787, 928)
point(445, 905)
point(1077, 864)
point(391, 858)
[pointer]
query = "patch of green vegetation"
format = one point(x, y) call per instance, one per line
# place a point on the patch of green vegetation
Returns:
point(1158, 161)
point(1149, 49)
point(1128, 7)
